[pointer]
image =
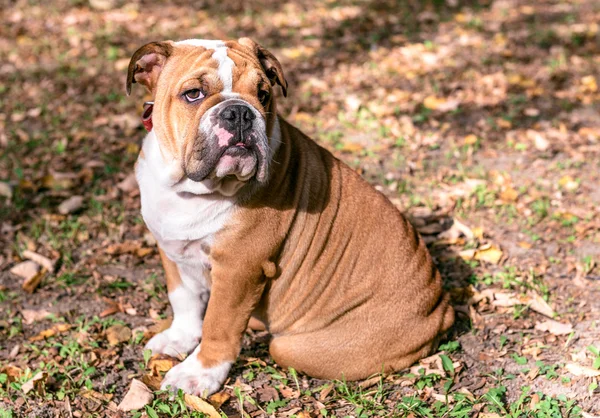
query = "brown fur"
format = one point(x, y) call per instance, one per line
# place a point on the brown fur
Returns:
point(340, 278)
point(355, 291)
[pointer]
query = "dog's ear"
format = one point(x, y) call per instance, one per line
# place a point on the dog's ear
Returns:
point(269, 63)
point(146, 64)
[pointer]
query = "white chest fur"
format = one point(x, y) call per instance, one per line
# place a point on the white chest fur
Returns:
point(182, 223)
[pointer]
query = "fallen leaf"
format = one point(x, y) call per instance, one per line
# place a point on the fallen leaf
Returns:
point(152, 381)
point(70, 205)
point(540, 143)
point(112, 308)
point(554, 327)
point(36, 382)
point(96, 396)
point(509, 195)
point(470, 139)
point(325, 392)
point(161, 363)
point(567, 183)
point(538, 304)
point(31, 315)
point(5, 190)
point(578, 370)
point(129, 184)
point(489, 254)
point(40, 259)
point(50, 332)
point(26, 269)
point(440, 103)
point(589, 84)
point(13, 372)
point(218, 399)
point(137, 397)
point(29, 285)
point(365, 384)
point(200, 405)
point(117, 334)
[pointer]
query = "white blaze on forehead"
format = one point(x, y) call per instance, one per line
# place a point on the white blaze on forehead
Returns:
point(226, 64)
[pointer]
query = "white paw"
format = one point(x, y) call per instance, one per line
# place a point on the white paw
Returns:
point(173, 342)
point(191, 377)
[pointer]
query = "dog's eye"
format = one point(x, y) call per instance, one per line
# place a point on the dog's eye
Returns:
point(263, 97)
point(193, 95)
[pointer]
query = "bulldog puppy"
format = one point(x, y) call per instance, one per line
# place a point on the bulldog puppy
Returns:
point(254, 219)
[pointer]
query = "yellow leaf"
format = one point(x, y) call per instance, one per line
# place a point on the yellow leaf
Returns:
point(351, 147)
point(133, 149)
point(161, 363)
point(589, 83)
point(470, 139)
point(567, 182)
point(198, 404)
point(219, 399)
point(491, 255)
point(509, 195)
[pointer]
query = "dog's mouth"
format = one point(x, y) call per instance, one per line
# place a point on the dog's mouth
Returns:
point(232, 144)
point(239, 160)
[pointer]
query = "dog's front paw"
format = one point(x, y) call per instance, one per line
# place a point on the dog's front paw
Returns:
point(173, 342)
point(191, 377)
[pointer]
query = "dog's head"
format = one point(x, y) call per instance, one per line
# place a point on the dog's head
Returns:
point(213, 113)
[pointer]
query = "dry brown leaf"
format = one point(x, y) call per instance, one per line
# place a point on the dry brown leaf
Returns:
point(25, 269)
point(13, 372)
point(440, 103)
point(218, 399)
point(554, 327)
point(578, 370)
point(50, 332)
point(70, 205)
point(29, 285)
point(117, 334)
point(198, 404)
point(40, 259)
point(137, 397)
point(112, 308)
point(152, 381)
point(538, 304)
point(161, 363)
point(509, 195)
point(129, 184)
point(31, 315)
point(365, 384)
point(36, 382)
point(325, 392)
point(96, 396)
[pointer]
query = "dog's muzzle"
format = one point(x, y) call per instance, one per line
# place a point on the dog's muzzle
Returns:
point(232, 141)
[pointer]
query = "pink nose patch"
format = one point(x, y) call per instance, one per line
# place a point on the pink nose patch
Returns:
point(224, 136)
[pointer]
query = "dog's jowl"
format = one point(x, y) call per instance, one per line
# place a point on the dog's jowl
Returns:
point(255, 220)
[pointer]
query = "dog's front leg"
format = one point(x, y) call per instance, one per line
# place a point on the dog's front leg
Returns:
point(188, 300)
point(234, 294)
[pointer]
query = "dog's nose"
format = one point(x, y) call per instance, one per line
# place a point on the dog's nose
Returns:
point(237, 116)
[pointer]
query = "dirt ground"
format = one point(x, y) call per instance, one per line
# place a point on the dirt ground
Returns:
point(479, 119)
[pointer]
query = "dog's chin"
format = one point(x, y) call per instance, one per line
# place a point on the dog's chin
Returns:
point(238, 162)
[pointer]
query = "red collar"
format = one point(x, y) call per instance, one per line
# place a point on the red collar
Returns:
point(147, 115)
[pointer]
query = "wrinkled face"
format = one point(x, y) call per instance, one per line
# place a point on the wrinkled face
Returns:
point(213, 113)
